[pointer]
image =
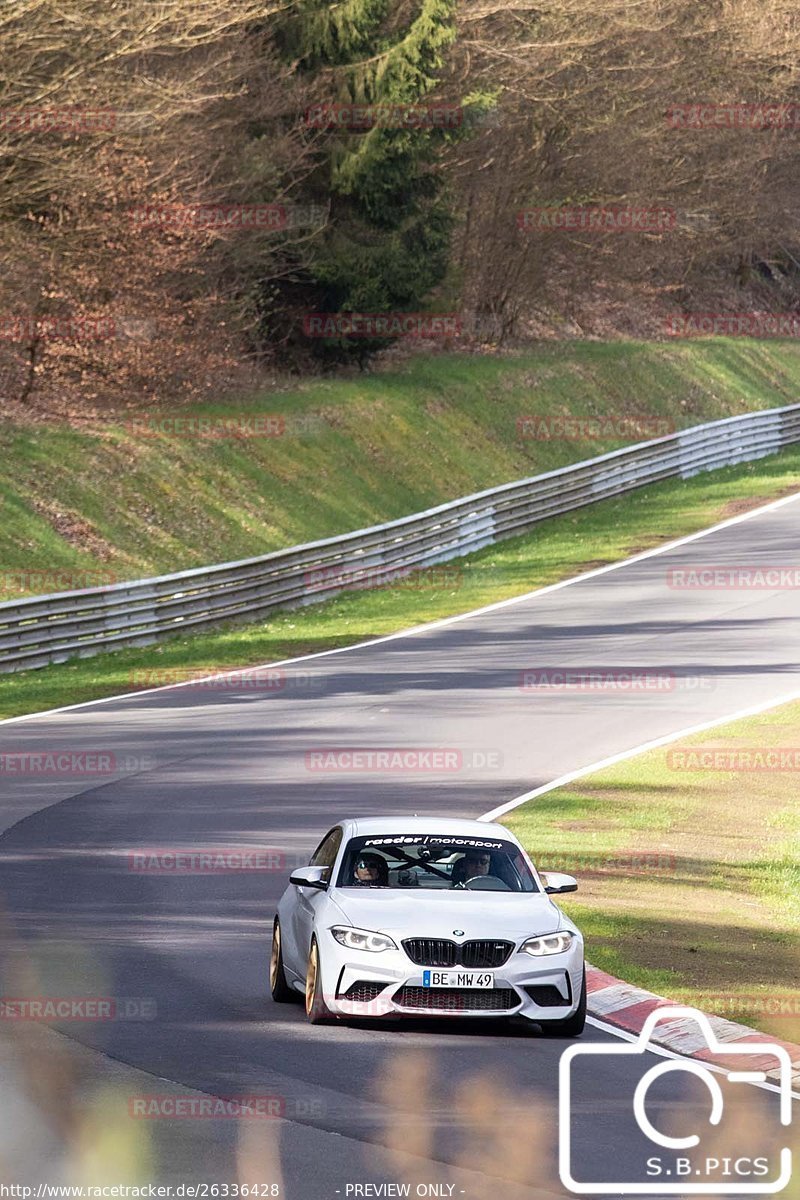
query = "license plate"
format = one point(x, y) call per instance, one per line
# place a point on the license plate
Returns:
point(458, 979)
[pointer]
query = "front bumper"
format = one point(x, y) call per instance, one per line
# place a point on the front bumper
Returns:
point(358, 983)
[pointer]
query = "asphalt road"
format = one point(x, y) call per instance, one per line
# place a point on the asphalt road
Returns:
point(199, 767)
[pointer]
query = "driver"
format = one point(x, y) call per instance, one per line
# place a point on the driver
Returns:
point(371, 870)
point(474, 862)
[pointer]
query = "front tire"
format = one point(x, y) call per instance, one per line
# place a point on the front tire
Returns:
point(571, 1026)
point(279, 988)
point(317, 1010)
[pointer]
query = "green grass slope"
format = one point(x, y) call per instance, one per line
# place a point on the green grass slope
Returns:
point(555, 549)
point(354, 452)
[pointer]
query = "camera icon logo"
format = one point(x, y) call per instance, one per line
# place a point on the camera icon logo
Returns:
point(687, 1174)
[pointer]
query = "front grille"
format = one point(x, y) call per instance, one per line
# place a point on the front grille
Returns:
point(485, 954)
point(547, 996)
point(431, 952)
point(439, 952)
point(457, 1000)
point(363, 990)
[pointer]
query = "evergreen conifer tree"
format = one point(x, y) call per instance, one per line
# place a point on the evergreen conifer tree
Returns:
point(387, 242)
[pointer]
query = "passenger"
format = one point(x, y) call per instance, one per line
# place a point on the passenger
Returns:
point(371, 870)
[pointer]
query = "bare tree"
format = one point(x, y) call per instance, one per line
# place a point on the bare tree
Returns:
point(110, 110)
point(586, 91)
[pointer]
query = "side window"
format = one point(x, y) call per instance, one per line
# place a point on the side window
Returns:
point(326, 851)
point(524, 881)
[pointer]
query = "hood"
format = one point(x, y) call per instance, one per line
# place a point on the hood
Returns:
point(434, 913)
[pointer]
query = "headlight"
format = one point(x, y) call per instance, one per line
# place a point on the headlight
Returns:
point(549, 943)
point(362, 939)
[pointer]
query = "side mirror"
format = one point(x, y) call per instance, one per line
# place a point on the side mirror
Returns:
point(555, 883)
point(312, 877)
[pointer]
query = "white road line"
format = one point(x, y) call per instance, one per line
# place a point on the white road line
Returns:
point(613, 759)
point(440, 624)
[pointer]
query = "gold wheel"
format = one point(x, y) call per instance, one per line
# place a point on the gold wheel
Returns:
point(275, 956)
point(281, 992)
point(312, 974)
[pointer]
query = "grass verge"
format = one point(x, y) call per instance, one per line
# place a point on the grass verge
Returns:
point(556, 549)
point(129, 500)
point(689, 868)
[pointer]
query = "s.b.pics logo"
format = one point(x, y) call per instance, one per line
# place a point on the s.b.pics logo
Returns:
point(675, 1126)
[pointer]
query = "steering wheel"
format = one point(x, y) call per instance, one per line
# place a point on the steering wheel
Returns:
point(486, 883)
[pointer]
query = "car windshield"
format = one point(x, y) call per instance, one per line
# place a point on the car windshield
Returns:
point(435, 862)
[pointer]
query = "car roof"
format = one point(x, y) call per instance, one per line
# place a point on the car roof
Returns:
point(457, 826)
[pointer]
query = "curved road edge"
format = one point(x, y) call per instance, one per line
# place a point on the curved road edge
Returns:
point(616, 1006)
point(443, 622)
point(620, 1005)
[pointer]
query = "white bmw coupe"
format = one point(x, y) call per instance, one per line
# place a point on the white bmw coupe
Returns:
point(428, 916)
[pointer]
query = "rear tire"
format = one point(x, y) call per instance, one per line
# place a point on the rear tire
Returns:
point(317, 1010)
point(279, 988)
point(570, 1026)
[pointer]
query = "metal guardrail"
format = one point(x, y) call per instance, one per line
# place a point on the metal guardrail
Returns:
point(49, 629)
